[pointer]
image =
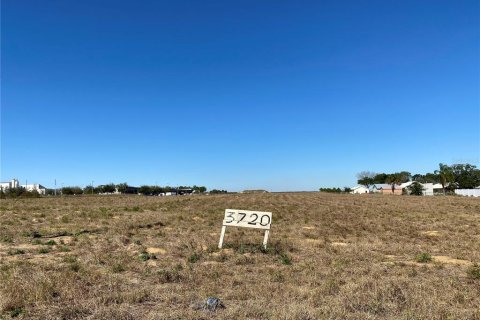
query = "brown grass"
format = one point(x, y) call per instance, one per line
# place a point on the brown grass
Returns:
point(329, 257)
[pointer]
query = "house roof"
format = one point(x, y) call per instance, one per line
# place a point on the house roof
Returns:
point(380, 186)
point(358, 187)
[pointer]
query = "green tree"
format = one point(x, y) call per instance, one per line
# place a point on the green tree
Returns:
point(366, 178)
point(394, 179)
point(445, 174)
point(71, 190)
point(145, 190)
point(88, 190)
point(215, 191)
point(404, 176)
point(465, 176)
point(380, 178)
point(415, 189)
point(122, 187)
point(108, 188)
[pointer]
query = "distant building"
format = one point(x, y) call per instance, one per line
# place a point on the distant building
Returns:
point(11, 184)
point(429, 189)
point(468, 192)
point(254, 191)
point(386, 188)
point(35, 187)
point(359, 190)
point(29, 187)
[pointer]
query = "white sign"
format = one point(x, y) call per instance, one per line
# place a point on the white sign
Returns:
point(246, 219)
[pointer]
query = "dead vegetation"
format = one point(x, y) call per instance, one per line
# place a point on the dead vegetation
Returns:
point(329, 257)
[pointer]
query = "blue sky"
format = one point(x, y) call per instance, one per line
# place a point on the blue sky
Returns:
point(279, 95)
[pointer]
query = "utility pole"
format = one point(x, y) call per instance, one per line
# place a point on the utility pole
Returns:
point(55, 187)
point(92, 186)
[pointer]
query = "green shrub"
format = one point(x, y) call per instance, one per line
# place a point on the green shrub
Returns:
point(168, 276)
point(194, 258)
point(285, 259)
point(423, 257)
point(474, 272)
point(15, 312)
point(64, 249)
point(43, 250)
point(144, 256)
point(15, 251)
point(117, 268)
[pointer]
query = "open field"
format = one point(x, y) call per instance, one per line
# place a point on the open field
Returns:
point(329, 257)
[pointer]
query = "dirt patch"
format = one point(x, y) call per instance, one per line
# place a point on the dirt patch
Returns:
point(152, 263)
point(62, 239)
point(391, 256)
point(227, 252)
point(154, 250)
point(431, 233)
point(20, 246)
point(313, 241)
point(339, 244)
point(196, 218)
point(449, 260)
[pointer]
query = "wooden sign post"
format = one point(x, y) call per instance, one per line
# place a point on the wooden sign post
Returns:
point(246, 219)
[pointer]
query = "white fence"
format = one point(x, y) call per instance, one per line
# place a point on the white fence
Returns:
point(468, 192)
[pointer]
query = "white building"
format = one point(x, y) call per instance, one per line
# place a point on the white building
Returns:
point(11, 184)
point(468, 192)
point(429, 189)
point(29, 187)
point(359, 190)
point(34, 187)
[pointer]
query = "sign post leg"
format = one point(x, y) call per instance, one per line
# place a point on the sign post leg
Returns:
point(222, 234)
point(265, 239)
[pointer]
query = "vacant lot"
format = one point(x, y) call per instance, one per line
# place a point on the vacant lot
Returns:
point(329, 257)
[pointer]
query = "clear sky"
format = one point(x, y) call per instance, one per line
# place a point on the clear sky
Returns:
point(278, 95)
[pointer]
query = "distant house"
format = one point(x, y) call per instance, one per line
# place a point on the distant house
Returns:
point(429, 189)
point(359, 190)
point(35, 187)
point(386, 188)
point(183, 191)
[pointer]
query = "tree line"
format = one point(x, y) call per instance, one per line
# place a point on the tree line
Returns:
point(124, 188)
point(456, 176)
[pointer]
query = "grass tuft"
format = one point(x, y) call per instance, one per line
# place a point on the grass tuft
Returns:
point(423, 257)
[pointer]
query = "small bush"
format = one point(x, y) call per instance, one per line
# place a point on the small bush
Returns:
point(75, 267)
point(50, 243)
point(285, 259)
point(168, 276)
point(117, 268)
point(16, 251)
point(16, 312)
point(474, 272)
point(64, 249)
point(423, 257)
point(194, 258)
point(144, 256)
point(36, 234)
point(43, 250)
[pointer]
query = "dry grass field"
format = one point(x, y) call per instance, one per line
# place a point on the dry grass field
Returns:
point(329, 257)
